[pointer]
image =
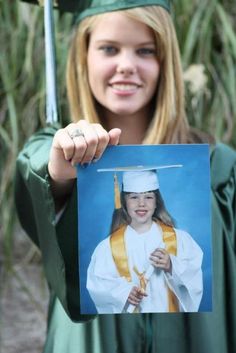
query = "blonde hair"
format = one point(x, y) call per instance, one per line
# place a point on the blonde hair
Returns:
point(168, 124)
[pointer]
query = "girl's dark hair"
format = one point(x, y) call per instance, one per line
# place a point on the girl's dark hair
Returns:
point(121, 217)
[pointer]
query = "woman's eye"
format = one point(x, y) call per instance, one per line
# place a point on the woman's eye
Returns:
point(109, 49)
point(147, 51)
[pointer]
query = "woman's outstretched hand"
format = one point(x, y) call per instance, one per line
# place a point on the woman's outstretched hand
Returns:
point(80, 142)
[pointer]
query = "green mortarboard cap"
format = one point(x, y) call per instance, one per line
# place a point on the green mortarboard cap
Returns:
point(86, 8)
point(95, 7)
point(62, 5)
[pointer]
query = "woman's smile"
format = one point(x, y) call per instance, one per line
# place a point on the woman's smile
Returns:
point(124, 88)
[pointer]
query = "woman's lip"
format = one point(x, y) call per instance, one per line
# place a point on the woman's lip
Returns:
point(124, 89)
point(135, 83)
point(124, 84)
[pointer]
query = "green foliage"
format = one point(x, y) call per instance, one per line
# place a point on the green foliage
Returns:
point(22, 93)
point(206, 31)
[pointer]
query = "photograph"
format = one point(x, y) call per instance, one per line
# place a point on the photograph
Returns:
point(145, 230)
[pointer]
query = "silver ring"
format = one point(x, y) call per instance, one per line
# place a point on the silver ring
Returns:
point(76, 133)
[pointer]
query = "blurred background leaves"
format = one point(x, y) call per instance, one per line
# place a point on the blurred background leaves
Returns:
point(206, 31)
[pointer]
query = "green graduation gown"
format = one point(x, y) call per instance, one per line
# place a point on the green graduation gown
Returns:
point(70, 332)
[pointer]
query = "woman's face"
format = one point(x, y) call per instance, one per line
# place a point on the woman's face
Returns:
point(123, 68)
point(140, 207)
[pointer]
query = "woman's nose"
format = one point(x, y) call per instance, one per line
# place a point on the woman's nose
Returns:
point(126, 64)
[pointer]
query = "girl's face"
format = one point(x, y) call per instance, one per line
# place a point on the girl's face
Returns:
point(140, 207)
point(123, 67)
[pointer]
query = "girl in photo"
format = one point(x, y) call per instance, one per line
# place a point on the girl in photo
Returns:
point(145, 265)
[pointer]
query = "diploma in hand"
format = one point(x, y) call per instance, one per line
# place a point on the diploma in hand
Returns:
point(147, 274)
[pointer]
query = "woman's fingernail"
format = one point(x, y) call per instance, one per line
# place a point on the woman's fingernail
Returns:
point(85, 165)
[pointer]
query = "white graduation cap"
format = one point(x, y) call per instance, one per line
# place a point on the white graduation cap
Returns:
point(136, 179)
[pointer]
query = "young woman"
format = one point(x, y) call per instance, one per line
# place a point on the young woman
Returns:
point(157, 267)
point(125, 86)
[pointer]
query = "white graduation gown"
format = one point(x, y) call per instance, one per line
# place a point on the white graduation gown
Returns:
point(109, 291)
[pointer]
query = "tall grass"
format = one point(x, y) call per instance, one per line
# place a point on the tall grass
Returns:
point(22, 94)
point(207, 34)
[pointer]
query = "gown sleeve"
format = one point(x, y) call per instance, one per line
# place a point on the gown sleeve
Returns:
point(186, 279)
point(108, 290)
point(35, 207)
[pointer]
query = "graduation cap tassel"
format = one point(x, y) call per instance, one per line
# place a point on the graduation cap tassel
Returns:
point(117, 193)
point(50, 62)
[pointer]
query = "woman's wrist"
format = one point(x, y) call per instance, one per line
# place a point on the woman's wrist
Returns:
point(60, 189)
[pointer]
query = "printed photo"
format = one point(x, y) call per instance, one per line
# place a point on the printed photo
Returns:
point(144, 228)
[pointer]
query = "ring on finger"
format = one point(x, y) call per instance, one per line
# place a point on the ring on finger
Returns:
point(76, 133)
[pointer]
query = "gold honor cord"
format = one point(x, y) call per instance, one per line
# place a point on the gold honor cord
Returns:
point(120, 258)
point(141, 275)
